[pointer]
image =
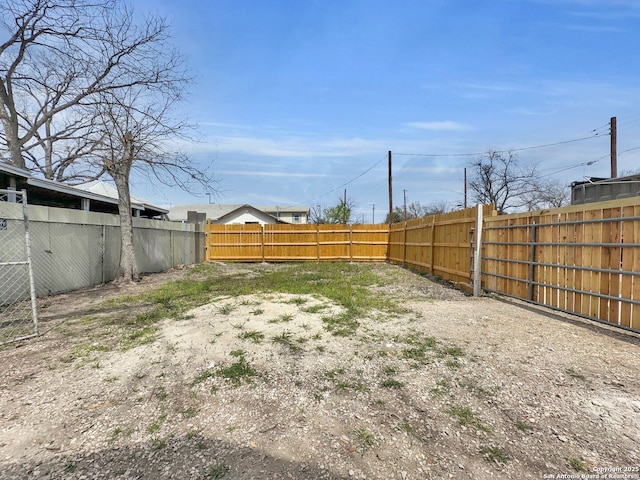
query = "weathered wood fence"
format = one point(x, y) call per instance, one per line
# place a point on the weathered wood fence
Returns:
point(583, 260)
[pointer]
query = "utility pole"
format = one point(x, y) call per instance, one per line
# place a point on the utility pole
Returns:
point(405, 204)
point(390, 192)
point(614, 147)
point(373, 214)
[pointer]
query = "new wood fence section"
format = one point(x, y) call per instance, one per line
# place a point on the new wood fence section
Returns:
point(439, 244)
point(583, 259)
point(270, 243)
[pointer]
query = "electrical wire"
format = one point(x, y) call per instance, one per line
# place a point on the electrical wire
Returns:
point(503, 151)
point(348, 182)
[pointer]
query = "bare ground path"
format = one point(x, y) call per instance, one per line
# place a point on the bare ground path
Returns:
point(255, 386)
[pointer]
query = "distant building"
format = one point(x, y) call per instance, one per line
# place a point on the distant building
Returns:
point(603, 189)
point(240, 214)
point(93, 196)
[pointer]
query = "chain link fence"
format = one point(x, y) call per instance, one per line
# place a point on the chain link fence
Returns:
point(18, 308)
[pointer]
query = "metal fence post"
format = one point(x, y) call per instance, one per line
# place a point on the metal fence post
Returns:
point(477, 269)
point(32, 284)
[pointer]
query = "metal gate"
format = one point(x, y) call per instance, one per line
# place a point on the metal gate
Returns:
point(18, 307)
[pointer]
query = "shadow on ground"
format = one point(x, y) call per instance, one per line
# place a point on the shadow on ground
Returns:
point(188, 457)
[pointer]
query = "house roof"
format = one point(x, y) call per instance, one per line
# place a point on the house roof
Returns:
point(293, 209)
point(97, 191)
point(106, 190)
point(216, 211)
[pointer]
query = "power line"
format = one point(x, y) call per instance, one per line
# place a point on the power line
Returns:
point(474, 154)
point(348, 182)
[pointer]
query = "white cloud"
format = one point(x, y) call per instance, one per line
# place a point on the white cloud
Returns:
point(446, 125)
point(256, 173)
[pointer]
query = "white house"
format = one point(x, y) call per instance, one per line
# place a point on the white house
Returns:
point(241, 214)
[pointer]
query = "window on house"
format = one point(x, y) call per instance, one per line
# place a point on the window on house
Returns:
point(296, 218)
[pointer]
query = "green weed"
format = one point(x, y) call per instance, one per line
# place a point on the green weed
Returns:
point(254, 336)
point(286, 341)
point(466, 417)
point(217, 471)
point(577, 464)
point(495, 454)
point(364, 440)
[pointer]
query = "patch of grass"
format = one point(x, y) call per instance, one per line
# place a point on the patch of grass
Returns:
point(297, 301)
point(202, 377)
point(453, 364)
point(237, 372)
point(523, 426)
point(153, 427)
point(254, 336)
point(495, 454)
point(226, 308)
point(452, 351)
point(139, 336)
point(419, 347)
point(158, 444)
point(391, 383)
point(333, 374)
point(577, 464)
point(257, 311)
point(342, 325)
point(217, 471)
point(466, 417)
point(115, 434)
point(189, 412)
point(364, 440)
point(284, 318)
point(85, 353)
point(286, 341)
point(442, 387)
point(161, 393)
point(317, 308)
point(390, 370)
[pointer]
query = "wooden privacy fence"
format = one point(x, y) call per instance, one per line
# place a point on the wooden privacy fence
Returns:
point(438, 244)
point(583, 259)
point(260, 243)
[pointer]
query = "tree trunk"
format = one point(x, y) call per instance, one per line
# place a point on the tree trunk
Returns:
point(128, 269)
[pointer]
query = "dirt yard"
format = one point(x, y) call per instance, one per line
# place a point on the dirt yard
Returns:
point(255, 387)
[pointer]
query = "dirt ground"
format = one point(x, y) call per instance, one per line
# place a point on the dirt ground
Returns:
point(254, 387)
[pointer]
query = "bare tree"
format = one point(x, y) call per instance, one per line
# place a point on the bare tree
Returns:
point(498, 178)
point(85, 89)
point(60, 56)
point(417, 210)
point(547, 194)
point(136, 129)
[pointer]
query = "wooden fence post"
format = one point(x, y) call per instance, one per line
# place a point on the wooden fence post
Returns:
point(532, 258)
point(477, 264)
point(404, 244)
point(351, 243)
point(433, 243)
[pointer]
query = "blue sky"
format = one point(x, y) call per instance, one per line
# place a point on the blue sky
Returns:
point(298, 100)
